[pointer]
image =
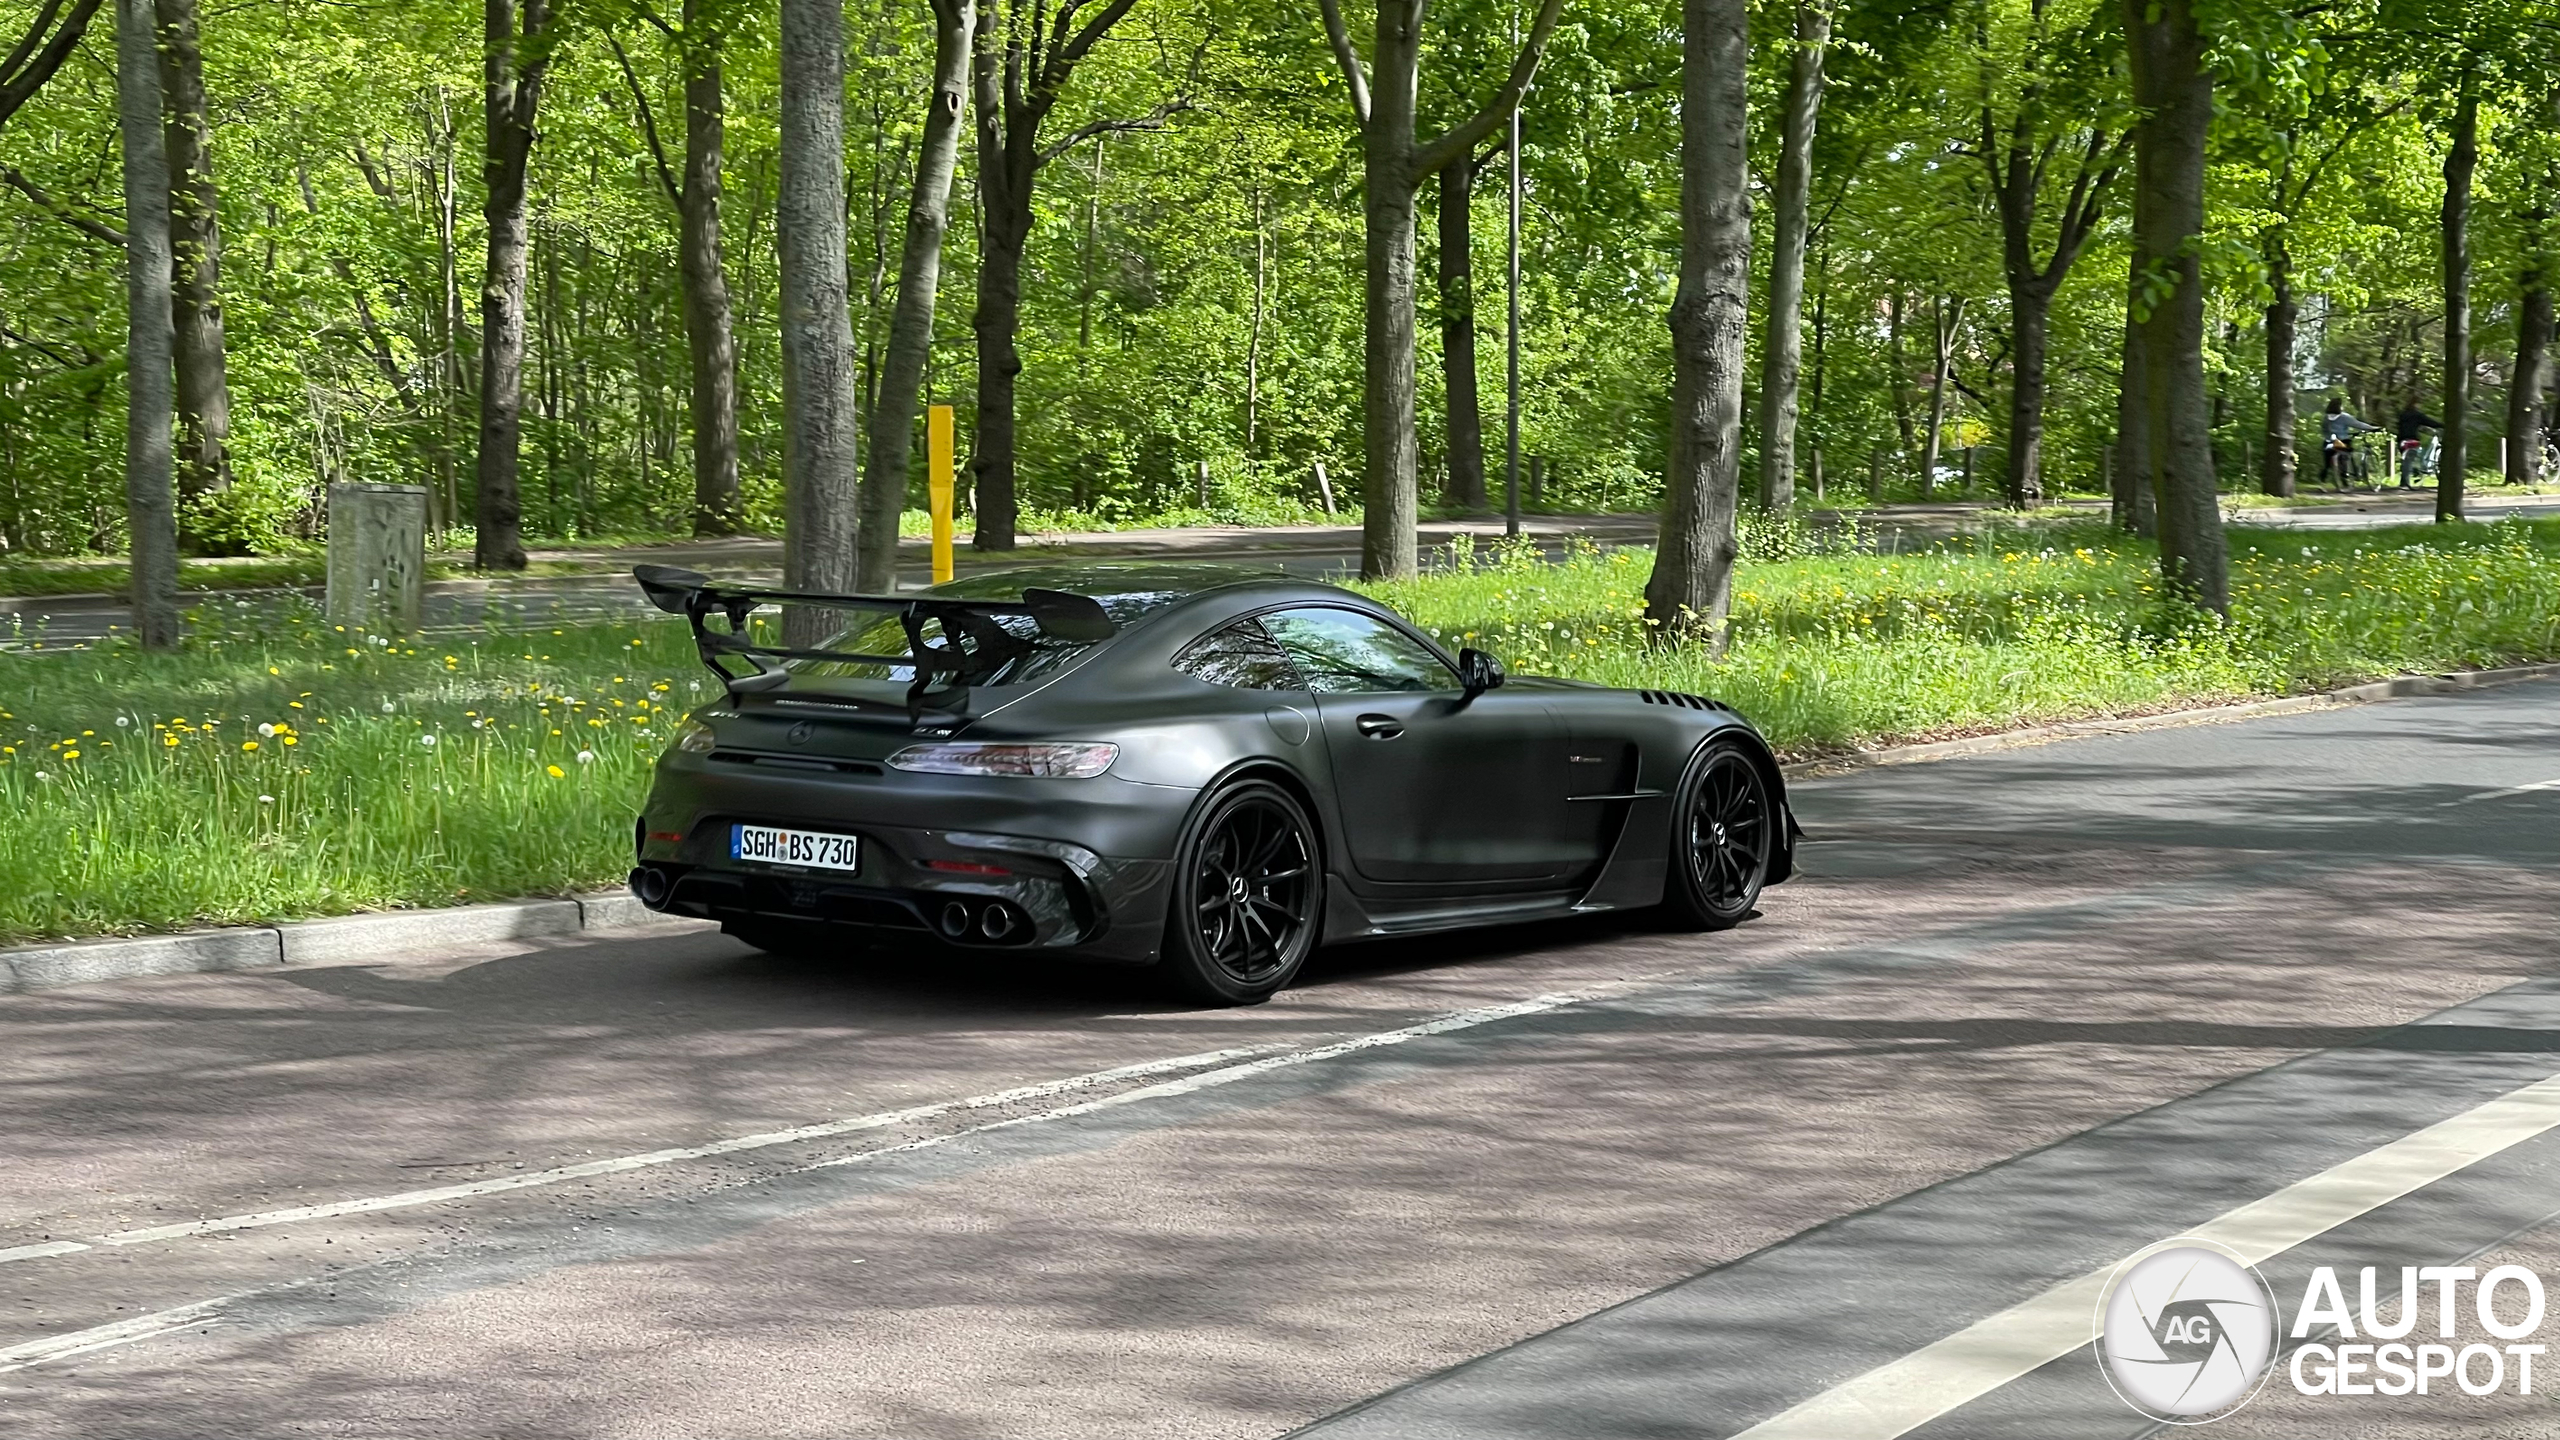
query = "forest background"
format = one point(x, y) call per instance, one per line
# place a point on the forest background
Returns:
point(1190, 327)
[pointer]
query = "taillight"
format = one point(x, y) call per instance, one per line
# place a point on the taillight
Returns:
point(1043, 762)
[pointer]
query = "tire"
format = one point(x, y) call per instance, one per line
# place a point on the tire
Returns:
point(1247, 900)
point(1724, 832)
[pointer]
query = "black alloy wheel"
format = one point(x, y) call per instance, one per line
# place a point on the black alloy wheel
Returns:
point(1722, 838)
point(1247, 892)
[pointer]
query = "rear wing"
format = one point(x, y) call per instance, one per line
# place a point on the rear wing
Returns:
point(969, 648)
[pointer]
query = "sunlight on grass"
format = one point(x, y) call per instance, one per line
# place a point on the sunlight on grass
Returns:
point(294, 769)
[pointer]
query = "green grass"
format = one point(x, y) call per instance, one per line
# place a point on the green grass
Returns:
point(164, 817)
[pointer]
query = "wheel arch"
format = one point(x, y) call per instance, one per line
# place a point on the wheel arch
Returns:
point(1782, 863)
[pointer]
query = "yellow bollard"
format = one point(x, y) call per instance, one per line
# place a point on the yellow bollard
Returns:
point(938, 486)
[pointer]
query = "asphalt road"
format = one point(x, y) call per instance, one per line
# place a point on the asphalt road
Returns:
point(2027, 1013)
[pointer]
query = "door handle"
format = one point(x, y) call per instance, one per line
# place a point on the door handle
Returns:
point(1380, 727)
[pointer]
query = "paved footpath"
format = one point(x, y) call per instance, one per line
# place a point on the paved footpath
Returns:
point(2027, 1013)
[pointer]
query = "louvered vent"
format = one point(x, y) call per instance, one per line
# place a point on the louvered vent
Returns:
point(1674, 697)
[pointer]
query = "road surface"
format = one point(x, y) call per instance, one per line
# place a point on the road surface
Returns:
point(2026, 1013)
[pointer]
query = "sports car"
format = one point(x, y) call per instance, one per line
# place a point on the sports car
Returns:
point(1205, 770)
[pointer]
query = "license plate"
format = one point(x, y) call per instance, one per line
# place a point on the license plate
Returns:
point(765, 845)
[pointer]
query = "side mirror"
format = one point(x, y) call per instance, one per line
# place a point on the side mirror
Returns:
point(1478, 672)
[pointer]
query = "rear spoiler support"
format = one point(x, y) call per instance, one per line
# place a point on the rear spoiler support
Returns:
point(694, 596)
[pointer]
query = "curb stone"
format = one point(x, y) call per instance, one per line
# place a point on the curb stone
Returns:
point(2397, 687)
point(357, 937)
point(338, 938)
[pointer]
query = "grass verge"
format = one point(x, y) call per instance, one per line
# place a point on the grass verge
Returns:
point(297, 770)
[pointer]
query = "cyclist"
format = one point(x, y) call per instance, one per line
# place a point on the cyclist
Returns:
point(2338, 430)
point(2405, 430)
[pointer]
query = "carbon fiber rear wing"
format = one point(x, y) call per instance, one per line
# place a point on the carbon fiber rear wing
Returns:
point(969, 648)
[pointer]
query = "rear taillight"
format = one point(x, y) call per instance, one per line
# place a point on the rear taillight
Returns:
point(1042, 762)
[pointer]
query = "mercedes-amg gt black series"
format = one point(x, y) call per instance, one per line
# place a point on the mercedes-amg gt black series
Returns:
point(1206, 770)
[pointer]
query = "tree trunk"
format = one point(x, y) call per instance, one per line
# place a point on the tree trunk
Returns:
point(2129, 485)
point(2276, 468)
point(1946, 317)
point(820, 412)
point(1691, 587)
point(999, 323)
point(1392, 165)
point(1902, 423)
point(2176, 100)
point(150, 486)
point(2533, 355)
point(513, 73)
point(195, 234)
point(2461, 158)
point(893, 412)
point(2030, 311)
point(710, 338)
point(1781, 350)
point(1458, 335)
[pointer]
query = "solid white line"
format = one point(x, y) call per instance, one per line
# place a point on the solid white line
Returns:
point(38, 1252)
point(2501, 794)
point(1905, 1394)
point(1457, 1020)
point(617, 1164)
point(123, 1332)
point(147, 1326)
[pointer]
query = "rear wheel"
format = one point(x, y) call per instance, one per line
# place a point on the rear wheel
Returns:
point(1247, 895)
point(1723, 834)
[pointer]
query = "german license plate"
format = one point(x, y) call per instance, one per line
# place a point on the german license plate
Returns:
point(766, 845)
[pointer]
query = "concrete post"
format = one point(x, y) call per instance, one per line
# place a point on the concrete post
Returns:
point(377, 556)
point(1324, 487)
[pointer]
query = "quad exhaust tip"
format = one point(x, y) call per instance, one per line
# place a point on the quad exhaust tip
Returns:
point(652, 885)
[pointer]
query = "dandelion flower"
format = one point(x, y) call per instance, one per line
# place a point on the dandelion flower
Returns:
point(427, 740)
point(388, 707)
point(248, 744)
point(266, 799)
point(266, 732)
point(556, 771)
point(586, 757)
point(123, 721)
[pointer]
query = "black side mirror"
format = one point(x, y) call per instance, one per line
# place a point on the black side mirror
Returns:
point(1478, 672)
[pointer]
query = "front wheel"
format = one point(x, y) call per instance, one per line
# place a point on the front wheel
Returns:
point(1723, 835)
point(1248, 888)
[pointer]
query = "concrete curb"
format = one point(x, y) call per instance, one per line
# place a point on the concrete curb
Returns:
point(359, 937)
point(2397, 687)
point(336, 939)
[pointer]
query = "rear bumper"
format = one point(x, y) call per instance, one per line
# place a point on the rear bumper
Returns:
point(994, 863)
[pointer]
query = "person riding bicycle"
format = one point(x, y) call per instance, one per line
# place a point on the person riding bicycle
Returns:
point(2338, 430)
point(2405, 430)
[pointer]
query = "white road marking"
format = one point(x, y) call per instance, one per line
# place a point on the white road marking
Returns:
point(125, 1332)
point(2500, 794)
point(558, 1174)
point(1896, 1398)
point(38, 1252)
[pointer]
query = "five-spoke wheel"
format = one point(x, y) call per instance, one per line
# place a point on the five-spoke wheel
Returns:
point(1247, 891)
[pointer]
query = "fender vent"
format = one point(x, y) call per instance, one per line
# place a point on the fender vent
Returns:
point(1674, 697)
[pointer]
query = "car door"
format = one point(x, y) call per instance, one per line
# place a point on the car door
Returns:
point(1434, 785)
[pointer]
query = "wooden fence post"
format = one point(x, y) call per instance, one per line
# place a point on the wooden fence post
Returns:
point(1324, 487)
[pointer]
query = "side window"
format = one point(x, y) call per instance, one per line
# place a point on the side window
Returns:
point(1343, 652)
point(1242, 655)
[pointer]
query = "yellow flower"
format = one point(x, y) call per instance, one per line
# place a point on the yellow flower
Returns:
point(248, 744)
point(70, 754)
point(556, 772)
point(289, 740)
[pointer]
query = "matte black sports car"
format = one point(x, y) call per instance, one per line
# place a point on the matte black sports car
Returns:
point(1201, 769)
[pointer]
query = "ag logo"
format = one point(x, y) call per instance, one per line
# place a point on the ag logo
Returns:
point(799, 734)
point(2186, 1332)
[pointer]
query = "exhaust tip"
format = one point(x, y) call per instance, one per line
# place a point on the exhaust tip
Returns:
point(954, 921)
point(652, 886)
point(996, 922)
